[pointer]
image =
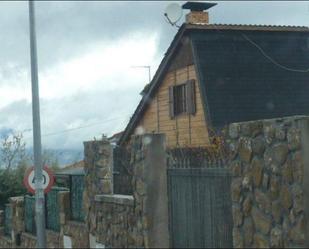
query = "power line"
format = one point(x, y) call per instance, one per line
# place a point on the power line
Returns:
point(272, 60)
point(77, 128)
point(265, 54)
point(80, 127)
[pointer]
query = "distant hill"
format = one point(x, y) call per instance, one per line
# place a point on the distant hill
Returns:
point(64, 156)
point(67, 156)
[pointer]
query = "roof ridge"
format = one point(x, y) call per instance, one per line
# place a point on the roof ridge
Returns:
point(269, 26)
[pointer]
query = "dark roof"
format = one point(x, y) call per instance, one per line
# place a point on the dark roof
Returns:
point(146, 88)
point(198, 6)
point(77, 171)
point(157, 79)
point(248, 75)
point(73, 169)
point(115, 137)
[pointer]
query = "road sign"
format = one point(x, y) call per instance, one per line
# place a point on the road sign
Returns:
point(48, 180)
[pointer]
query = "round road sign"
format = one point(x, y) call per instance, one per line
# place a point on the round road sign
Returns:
point(29, 180)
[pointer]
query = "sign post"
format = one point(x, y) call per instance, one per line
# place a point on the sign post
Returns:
point(48, 180)
point(37, 148)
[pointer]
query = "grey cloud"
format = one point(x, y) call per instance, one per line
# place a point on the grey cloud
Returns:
point(4, 131)
point(106, 112)
point(66, 29)
point(261, 12)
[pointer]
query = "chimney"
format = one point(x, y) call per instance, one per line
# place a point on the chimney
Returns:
point(197, 14)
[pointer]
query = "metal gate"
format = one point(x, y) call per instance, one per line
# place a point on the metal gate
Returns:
point(200, 208)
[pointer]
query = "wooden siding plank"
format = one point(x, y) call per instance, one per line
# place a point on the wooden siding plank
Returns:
point(199, 132)
point(200, 208)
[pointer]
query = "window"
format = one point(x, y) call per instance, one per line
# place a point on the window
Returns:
point(182, 98)
point(180, 95)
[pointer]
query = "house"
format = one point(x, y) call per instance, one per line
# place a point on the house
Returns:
point(115, 137)
point(63, 175)
point(216, 74)
point(75, 168)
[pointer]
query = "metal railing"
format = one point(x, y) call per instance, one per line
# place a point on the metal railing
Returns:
point(200, 157)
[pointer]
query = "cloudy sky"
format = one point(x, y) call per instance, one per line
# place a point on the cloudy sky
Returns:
point(86, 51)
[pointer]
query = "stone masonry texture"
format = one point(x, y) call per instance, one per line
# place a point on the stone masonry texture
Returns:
point(267, 162)
point(113, 220)
point(267, 187)
point(116, 220)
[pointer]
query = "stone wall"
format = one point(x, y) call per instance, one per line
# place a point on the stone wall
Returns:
point(28, 240)
point(127, 220)
point(150, 189)
point(76, 230)
point(78, 233)
point(17, 204)
point(53, 240)
point(138, 220)
point(267, 160)
point(111, 219)
point(98, 174)
point(268, 182)
point(116, 221)
point(5, 242)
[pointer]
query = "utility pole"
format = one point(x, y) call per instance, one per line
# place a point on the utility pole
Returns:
point(149, 72)
point(37, 147)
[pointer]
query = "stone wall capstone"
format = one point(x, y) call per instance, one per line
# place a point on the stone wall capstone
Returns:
point(267, 189)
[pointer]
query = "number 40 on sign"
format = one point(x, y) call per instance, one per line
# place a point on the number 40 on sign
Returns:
point(29, 179)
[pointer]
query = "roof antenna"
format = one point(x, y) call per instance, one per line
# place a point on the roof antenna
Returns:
point(173, 13)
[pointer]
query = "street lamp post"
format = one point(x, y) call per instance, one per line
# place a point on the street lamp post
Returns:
point(37, 147)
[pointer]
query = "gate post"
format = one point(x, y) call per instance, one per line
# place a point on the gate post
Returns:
point(154, 174)
point(98, 177)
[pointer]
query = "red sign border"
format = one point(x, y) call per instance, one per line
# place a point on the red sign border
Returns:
point(51, 182)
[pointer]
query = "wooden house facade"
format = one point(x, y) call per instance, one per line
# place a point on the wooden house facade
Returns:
point(216, 74)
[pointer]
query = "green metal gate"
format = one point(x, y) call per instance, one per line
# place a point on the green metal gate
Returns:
point(200, 208)
point(52, 208)
point(8, 219)
point(30, 214)
point(77, 184)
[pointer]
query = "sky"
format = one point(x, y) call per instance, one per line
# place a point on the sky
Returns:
point(86, 57)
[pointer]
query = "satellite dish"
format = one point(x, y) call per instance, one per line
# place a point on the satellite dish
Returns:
point(173, 13)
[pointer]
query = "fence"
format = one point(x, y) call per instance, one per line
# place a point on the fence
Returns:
point(200, 157)
point(200, 214)
point(52, 209)
point(8, 219)
point(29, 202)
point(77, 185)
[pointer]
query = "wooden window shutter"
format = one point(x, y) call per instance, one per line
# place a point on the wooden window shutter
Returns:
point(171, 101)
point(191, 106)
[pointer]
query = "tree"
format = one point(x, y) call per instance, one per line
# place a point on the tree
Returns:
point(50, 159)
point(12, 151)
point(14, 160)
point(13, 164)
